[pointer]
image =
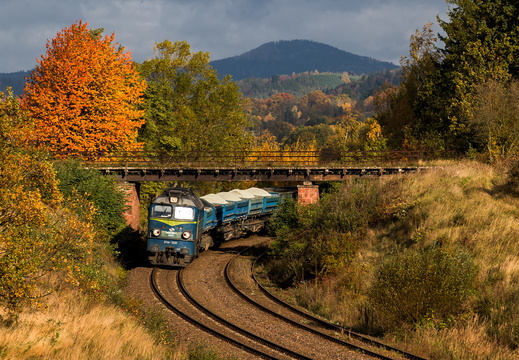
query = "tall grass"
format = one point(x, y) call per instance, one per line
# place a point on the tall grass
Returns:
point(74, 328)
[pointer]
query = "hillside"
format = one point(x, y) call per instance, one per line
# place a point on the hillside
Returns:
point(432, 255)
point(15, 80)
point(285, 57)
point(296, 56)
point(357, 87)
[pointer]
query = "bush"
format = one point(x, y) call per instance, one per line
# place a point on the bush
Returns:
point(430, 286)
point(498, 304)
point(285, 220)
point(313, 240)
point(109, 201)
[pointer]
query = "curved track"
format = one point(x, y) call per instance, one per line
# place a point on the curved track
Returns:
point(358, 342)
point(219, 327)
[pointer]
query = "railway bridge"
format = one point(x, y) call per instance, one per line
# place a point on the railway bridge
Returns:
point(300, 166)
point(304, 167)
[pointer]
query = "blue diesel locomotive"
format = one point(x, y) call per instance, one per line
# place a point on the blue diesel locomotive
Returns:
point(181, 224)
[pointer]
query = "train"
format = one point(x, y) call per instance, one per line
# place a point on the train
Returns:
point(182, 224)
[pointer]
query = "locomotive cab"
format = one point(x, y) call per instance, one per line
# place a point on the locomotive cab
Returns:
point(174, 227)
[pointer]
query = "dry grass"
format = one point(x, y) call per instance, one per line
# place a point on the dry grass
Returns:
point(467, 341)
point(73, 328)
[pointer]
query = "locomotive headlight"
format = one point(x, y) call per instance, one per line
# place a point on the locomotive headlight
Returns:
point(155, 232)
point(186, 235)
point(155, 248)
point(184, 251)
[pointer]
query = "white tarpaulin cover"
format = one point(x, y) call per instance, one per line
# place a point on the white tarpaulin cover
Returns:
point(214, 199)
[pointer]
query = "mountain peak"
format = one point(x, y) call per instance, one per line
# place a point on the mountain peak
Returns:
point(285, 57)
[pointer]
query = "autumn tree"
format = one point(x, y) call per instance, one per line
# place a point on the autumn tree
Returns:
point(317, 107)
point(283, 106)
point(188, 107)
point(84, 94)
point(28, 189)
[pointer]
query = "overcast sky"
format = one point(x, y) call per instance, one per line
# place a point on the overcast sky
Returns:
point(376, 28)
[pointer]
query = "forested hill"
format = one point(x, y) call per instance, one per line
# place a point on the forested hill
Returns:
point(15, 80)
point(296, 56)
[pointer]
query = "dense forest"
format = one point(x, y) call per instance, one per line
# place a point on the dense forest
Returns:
point(86, 96)
point(288, 57)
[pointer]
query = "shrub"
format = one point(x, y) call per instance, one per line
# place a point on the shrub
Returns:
point(314, 240)
point(109, 201)
point(430, 286)
point(498, 304)
point(285, 220)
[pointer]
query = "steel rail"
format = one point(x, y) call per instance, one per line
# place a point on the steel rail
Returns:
point(208, 329)
point(310, 329)
point(234, 327)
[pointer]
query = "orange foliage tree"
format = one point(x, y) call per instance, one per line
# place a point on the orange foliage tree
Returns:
point(84, 94)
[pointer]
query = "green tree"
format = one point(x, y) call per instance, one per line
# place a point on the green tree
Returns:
point(187, 106)
point(399, 110)
point(309, 135)
point(481, 44)
point(107, 198)
point(433, 105)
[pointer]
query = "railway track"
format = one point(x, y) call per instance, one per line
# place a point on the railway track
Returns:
point(218, 326)
point(313, 324)
point(209, 295)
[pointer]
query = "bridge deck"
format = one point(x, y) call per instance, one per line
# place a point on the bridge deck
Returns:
point(135, 174)
point(253, 165)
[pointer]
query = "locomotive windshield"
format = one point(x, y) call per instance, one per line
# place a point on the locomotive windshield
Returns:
point(184, 213)
point(163, 211)
point(173, 212)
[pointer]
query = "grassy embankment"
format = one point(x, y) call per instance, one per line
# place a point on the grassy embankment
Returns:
point(436, 271)
point(72, 325)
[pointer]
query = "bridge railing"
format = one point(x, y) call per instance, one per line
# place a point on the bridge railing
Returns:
point(249, 159)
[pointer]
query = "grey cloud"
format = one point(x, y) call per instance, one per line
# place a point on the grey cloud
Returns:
point(375, 28)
